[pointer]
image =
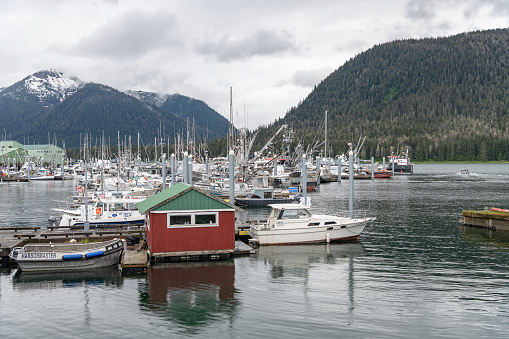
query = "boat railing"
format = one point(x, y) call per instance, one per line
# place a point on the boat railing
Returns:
point(65, 205)
point(356, 214)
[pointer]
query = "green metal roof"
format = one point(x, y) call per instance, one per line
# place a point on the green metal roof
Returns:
point(10, 143)
point(12, 152)
point(182, 197)
point(39, 147)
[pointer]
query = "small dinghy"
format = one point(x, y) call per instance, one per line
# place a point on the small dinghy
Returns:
point(67, 256)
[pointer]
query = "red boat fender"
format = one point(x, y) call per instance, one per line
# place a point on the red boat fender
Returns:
point(499, 210)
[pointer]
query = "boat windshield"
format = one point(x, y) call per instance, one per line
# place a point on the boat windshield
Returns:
point(293, 214)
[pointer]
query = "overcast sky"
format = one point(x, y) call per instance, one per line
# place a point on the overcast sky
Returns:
point(271, 52)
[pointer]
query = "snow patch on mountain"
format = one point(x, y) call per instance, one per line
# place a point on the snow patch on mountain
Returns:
point(156, 99)
point(48, 86)
point(51, 84)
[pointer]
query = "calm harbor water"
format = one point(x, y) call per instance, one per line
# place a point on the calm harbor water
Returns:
point(415, 272)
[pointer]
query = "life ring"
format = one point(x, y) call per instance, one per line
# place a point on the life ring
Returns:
point(98, 210)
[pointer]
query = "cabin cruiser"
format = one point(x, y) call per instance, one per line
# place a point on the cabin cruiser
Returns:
point(295, 224)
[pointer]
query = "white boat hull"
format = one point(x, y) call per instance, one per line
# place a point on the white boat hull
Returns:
point(43, 177)
point(309, 234)
point(62, 257)
point(76, 221)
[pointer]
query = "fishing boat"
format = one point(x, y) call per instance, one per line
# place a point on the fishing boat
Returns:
point(312, 180)
point(42, 174)
point(401, 164)
point(295, 224)
point(357, 174)
point(382, 173)
point(67, 256)
point(262, 197)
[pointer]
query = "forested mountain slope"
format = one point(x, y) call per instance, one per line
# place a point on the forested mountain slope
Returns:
point(445, 98)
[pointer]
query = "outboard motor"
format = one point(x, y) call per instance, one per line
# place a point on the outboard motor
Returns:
point(297, 197)
point(52, 220)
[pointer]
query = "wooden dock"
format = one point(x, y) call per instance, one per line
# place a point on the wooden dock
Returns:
point(12, 237)
point(13, 178)
point(486, 219)
point(242, 248)
point(134, 261)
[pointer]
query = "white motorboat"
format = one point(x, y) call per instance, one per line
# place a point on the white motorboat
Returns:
point(294, 224)
point(67, 256)
point(104, 211)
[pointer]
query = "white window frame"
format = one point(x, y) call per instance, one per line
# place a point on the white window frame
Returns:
point(193, 214)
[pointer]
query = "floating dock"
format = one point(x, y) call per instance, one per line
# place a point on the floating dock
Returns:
point(134, 261)
point(13, 178)
point(494, 218)
point(12, 237)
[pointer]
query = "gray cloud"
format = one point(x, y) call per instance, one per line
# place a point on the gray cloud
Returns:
point(497, 8)
point(131, 36)
point(309, 78)
point(262, 42)
point(420, 10)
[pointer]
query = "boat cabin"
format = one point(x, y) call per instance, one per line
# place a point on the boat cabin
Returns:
point(184, 221)
point(286, 212)
point(261, 193)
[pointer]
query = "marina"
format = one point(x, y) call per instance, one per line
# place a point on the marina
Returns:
point(411, 274)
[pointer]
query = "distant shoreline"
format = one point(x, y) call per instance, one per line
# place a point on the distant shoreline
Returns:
point(461, 162)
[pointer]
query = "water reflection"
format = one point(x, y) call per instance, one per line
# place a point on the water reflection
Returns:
point(191, 294)
point(325, 270)
point(106, 276)
point(298, 260)
point(499, 239)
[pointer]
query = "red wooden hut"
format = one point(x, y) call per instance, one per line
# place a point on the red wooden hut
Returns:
point(183, 221)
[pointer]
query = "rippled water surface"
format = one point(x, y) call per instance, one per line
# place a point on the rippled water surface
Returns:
point(415, 272)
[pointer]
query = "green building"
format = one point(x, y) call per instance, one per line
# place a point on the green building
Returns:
point(12, 151)
point(48, 153)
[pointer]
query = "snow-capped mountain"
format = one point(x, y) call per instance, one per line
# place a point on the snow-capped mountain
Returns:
point(49, 86)
point(52, 103)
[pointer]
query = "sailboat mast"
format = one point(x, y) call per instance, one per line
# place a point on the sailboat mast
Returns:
point(325, 134)
point(232, 138)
